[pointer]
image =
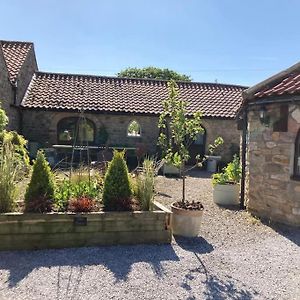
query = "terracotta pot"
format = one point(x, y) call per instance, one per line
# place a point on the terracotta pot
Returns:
point(226, 194)
point(186, 222)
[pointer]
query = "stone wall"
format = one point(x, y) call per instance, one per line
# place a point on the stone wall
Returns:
point(270, 191)
point(7, 93)
point(227, 129)
point(24, 77)
point(41, 126)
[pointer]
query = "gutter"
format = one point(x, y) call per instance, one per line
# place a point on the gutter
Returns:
point(243, 154)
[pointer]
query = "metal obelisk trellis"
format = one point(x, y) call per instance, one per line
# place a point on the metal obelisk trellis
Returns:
point(80, 142)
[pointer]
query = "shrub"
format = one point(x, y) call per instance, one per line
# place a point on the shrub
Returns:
point(117, 190)
point(82, 204)
point(67, 190)
point(40, 191)
point(3, 119)
point(231, 174)
point(145, 185)
point(17, 140)
point(9, 167)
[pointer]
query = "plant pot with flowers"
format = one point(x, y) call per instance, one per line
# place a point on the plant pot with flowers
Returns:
point(178, 130)
point(226, 187)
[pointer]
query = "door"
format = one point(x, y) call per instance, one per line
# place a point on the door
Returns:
point(198, 147)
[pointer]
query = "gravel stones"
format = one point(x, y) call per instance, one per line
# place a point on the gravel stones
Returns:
point(235, 257)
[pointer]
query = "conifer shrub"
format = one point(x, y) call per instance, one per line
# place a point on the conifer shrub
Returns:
point(117, 191)
point(39, 194)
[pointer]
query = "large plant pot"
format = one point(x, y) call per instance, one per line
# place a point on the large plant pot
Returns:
point(186, 222)
point(226, 194)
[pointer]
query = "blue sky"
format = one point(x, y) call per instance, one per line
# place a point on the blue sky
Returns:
point(231, 41)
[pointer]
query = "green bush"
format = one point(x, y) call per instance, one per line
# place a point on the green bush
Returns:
point(231, 174)
point(117, 190)
point(66, 190)
point(17, 140)
point(9, 167)
point(3, 119)
point(145, 185)
point(19, 144)
point(39, 194)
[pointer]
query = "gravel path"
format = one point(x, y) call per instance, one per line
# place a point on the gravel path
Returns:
point(235, 257)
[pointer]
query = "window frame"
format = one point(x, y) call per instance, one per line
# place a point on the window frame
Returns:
point(134, 136)
point(296, 174)
point(75, 120)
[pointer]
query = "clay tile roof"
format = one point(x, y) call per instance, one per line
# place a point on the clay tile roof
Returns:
point(15, 54)
point(124, 95)
point(284, 83)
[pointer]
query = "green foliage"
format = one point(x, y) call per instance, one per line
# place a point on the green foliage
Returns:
point(145, 185)
point(117, 190)
point(3, 119)
point(19, 144)
point(231, 174)
point(9, 167)
point(17, 140)
point(39, 194)
point(153, 73)
point(178, 130)
point(133, 128)
point(67, 190)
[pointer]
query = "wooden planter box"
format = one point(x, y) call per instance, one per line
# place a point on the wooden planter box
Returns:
point(62, 230)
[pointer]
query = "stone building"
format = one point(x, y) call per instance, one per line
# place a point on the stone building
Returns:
point(272, 147)
point(17, 66)
point(118, 111)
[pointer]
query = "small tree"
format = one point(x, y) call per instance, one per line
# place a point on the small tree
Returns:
point(179, 131)
point(39, 194)
point(117, 190)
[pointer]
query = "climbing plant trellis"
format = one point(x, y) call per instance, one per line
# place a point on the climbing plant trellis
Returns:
point(80, 143)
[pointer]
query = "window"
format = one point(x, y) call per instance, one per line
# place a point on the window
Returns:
point(134, 129)
point(200, 139)
point(67, 128)
point(297, 157)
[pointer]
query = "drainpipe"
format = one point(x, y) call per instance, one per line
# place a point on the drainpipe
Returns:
point(244, 150)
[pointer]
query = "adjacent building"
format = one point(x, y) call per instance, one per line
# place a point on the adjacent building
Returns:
point(271, 112)
point(121, 112)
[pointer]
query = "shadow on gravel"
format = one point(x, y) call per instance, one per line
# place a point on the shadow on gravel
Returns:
point(197, 244)
point(117, 259)
point(215, 287)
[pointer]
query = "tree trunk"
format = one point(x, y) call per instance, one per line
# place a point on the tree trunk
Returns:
point(183, 184)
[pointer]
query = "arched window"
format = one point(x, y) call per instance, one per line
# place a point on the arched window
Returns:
point(297, 157)
point(67, 128)
point(134, 129)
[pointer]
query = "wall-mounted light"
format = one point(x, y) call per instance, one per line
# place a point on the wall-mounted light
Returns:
point(263, 116)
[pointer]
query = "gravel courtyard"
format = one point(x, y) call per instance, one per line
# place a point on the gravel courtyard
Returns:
point(235, 257)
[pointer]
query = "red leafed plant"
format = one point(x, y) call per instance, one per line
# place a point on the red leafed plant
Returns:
point(82, 204)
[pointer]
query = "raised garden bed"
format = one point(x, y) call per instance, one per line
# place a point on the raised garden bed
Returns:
point(62, 230)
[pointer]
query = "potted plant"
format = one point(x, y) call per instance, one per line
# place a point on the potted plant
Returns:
point(178, 130)
point(226, 186)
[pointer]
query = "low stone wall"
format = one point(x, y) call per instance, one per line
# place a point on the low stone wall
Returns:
point(63, 230)
point(271, 192)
